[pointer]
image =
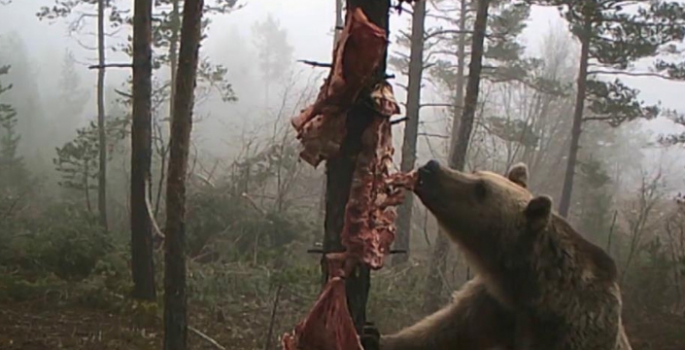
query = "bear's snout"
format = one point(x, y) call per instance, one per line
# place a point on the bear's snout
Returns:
point(432, 166)
point(428, 172)
point(427, 176)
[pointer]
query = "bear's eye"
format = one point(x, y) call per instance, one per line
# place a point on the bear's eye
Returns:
point(481, 189)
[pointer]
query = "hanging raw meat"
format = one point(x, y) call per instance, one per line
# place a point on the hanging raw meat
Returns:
point(368, 229)
point(358, 52)
point(328, 325)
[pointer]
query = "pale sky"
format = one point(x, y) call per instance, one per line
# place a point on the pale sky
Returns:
point(308, 23)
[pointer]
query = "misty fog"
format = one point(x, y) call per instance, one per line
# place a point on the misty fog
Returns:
point(245, 177)
point(233, 43)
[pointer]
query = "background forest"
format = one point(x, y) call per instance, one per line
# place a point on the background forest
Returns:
point(254, 210)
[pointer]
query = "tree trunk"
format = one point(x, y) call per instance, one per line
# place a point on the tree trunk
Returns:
point(86, 187)
point(142, 267)
point(175, 312)
point(102, 140)
point(173, 52)
point(173, 63)
point(459, 109)
point(338, 21)
point(411, 128)
point(459, 83)
point(458, 156)
point(336, 35)
point(339, 172)
point(576, 130)
point(459, 150)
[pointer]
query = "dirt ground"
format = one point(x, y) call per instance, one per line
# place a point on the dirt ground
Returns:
point(656, 332)
point(36, 326)
point(39, 326)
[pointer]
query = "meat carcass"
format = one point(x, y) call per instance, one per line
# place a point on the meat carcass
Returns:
point(368, 229)
point(358, 52)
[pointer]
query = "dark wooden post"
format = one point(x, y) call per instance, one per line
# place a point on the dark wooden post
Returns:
point(340, 169)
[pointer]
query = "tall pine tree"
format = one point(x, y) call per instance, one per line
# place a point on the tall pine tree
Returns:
point(12, 172)
point(613, 35)
point(142, 262)
point(175, 299)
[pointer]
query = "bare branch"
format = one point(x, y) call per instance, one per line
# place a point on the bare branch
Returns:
point(155, 227)
point(597, 118)
point(433, 135)
point(10, 210)
point(204, 179)
point(253, 204)
point(85, 46)
point(316, 64)
point(436, 105)
point(123, 93)
point(206, 338)
point(632, 74)
point(429, 65)
point(111, 65)
point(267, 344)
point(400, 120)
point(437, 33)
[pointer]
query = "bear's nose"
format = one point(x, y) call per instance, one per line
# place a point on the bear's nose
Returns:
point(431, 167)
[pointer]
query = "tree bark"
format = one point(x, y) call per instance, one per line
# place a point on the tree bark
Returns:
point(336, 35)
point(86, 184)
point(458, 156)
point(459, 83)
point(576, 129)
point(458, 152)
point(142, 266)
point(338, 21)
point(411, 127)
point(175, 301)
point(173, 64)
point(102, 139)
point(173, 52)
point(339, 172)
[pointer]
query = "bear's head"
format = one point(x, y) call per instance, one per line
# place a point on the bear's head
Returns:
point(483, 208)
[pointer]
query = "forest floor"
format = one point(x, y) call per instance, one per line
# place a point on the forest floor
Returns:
point(656, 331)
point(38, 325)
point(35, 325)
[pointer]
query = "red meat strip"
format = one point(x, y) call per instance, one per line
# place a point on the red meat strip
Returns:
point(370, 214)
point(328, 325)
point(368, 230)
point(359, 51)
point(367, 234)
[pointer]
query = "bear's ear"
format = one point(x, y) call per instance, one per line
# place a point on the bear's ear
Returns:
point(518, 174)
point(539, 211)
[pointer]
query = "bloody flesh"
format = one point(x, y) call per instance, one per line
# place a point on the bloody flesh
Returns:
point(370, 214)
point(368, 229)
point(321, 126)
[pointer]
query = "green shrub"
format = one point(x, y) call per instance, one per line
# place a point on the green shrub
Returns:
point(224, 226)
point(19, 288)
point(66, 241)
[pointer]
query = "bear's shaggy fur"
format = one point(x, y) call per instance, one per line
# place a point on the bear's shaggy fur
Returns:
point(539, 284)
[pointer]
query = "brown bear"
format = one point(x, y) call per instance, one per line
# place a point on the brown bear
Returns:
point(539, 284)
